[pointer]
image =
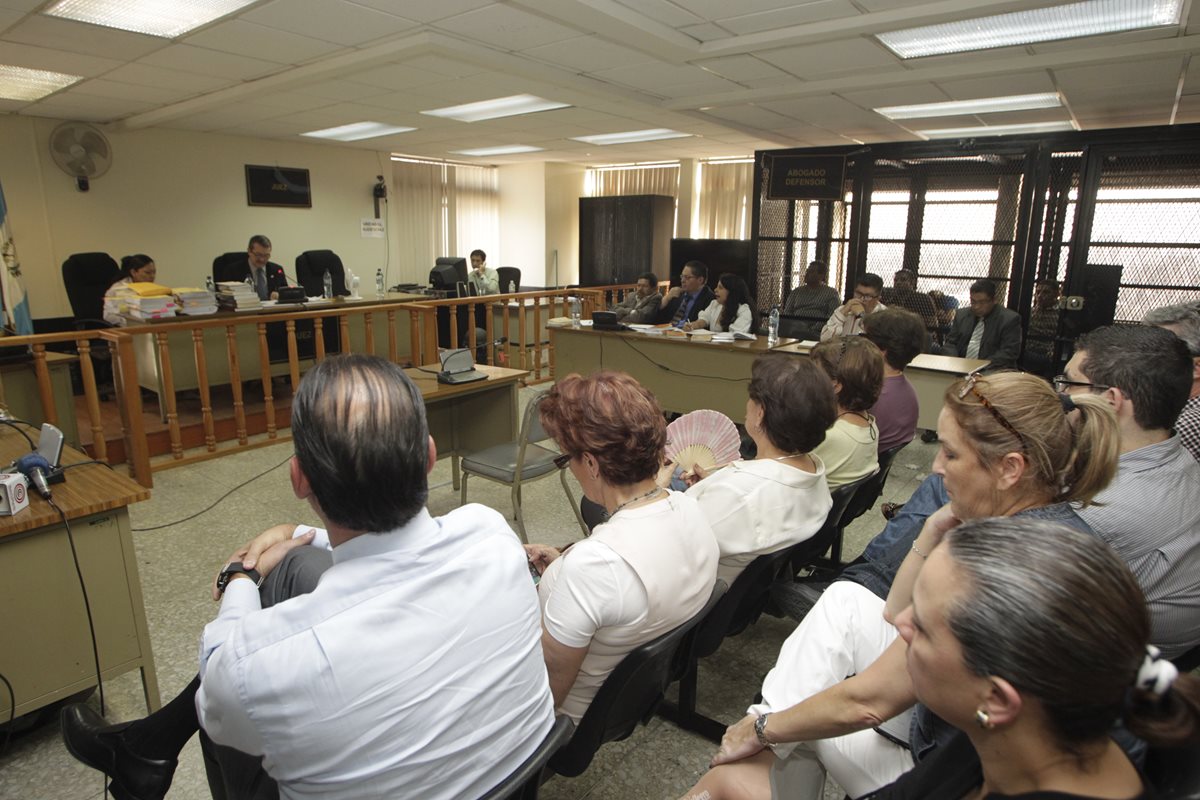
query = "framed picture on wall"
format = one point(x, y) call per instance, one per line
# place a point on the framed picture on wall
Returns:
point(278, 186)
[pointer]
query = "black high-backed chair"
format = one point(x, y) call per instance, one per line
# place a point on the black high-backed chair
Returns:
point(738, 609)
point(233, 266)
point(863, 500)
point(87, 277)
point(526, 780)
point(508, 275)
point(630, 693)
point(310, 272)
point(811, 551)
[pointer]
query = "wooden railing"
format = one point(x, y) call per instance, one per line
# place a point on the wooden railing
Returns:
point(199, 353)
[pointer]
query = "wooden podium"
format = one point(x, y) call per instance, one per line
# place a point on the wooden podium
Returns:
point(45, 646)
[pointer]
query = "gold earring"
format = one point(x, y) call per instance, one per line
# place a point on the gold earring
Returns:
point(982, 719)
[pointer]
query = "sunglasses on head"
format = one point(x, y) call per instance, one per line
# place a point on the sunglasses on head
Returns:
point(970, 386)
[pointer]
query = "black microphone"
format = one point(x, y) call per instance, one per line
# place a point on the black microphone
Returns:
point(34, 466)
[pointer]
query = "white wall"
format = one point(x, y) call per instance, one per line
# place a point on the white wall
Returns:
point(523, 221)
point(180, 197)
point(564, 187)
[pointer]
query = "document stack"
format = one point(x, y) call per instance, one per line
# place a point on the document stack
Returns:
point(236, 296)
point(142, 301)
point(196, 302)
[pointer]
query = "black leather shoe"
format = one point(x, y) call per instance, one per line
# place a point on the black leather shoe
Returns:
point(100, 745)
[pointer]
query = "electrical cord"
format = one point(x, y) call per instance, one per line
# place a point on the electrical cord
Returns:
point(12, 423)
point(66, 467)
point(214, 503)
point(87, 605)
point(665, 368)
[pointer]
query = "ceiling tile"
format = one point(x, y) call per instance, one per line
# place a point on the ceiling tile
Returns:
point(751, 115)
point(587, 54)
point(1102, 77)
point(507, 27)
point(263, 43)
point(664, 11)
point(9, 17)
point(24, 55)
point(741, 68)
point(425, 10)
point(284, 102)
point(705, 32)
point(78, 37)
point(163, 78)
point(395, 76)
point(999, 85)
point(716, 9)
point(106, 108)
point(659, 75)
point(1191, 78)
point(897, 96)
point(806, 13)
point(21, 5)
point(100, 87)
point(12, 105)
point(1107, 40)
point(827, 58)
point(338, 90)
point(210, 62)
point(445, 66)
point(347, 24)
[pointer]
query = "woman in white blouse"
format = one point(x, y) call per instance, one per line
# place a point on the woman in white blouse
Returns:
point(137, 268)
point(731, 311)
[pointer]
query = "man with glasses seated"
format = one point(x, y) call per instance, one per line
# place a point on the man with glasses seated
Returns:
point(1150, 513)
point(847, 318)
point(986, 329)
point(683, 303)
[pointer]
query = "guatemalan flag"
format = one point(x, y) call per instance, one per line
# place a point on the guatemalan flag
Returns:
point(17, 318)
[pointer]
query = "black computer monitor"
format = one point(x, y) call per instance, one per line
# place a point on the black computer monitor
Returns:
point(450, 270)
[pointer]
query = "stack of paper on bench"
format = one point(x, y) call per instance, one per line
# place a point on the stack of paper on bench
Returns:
point(236, 296)
point(144, 300)
point(194, 302)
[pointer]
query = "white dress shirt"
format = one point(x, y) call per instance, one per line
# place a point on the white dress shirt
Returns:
point(741, 323)
point(414, 669)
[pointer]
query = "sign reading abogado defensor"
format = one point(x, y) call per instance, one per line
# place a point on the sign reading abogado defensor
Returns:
point(805, 177)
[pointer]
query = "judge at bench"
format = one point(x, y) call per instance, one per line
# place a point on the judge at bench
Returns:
point(266, 276)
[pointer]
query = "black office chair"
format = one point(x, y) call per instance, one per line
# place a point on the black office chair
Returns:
point(87, 277)
point(630, 694)
point(810, 552)
point(592, 513)
point(526, 780)
point(863, 500)
point(509, 275)
point(738, 609)
point(232, 266)
point(1173, 772)
point(310, 272)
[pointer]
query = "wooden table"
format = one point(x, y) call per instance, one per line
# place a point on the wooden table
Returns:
point(688, 374)
point(929, 375)
point(683, 373)
point(469, 417)
point(45, 646)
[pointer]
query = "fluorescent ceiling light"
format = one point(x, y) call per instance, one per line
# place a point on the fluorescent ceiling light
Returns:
point(1089, 18)
point(504, 150)
point(19, 83)
point(166, 18)
point(358, 130)
point(495, 109)
point(997, 130)
point(628, 137)
point(984, 105)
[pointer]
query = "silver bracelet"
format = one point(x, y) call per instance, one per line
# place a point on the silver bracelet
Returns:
point(917, 550)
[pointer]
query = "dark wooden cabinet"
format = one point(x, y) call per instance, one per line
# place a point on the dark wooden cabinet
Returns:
point(622, 237)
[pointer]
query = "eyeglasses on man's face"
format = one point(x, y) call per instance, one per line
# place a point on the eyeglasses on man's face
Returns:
point(860, 295)
point(1061, 384)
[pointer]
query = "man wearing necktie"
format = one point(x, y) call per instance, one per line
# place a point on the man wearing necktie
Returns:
point(266, 275)
point(685, 302)
point(986, 329)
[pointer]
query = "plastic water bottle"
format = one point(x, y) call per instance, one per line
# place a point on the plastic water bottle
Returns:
point(208, 284)
point(380, 290)
point(773, 327)
point(327, 280)
point(512, 287)
point(576, 310)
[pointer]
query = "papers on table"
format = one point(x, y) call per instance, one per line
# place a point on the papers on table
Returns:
point(195, 302)
point(143, 300)
point(236, 296)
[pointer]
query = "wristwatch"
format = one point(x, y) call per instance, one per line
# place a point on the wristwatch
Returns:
point(236, 568)
point(760, 731)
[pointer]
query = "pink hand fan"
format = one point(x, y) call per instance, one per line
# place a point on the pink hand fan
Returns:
point(705, 438)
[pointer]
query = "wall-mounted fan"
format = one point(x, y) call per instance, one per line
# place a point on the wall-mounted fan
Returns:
point(81, 151)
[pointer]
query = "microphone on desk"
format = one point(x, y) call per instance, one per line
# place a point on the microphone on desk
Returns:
point(34, 467)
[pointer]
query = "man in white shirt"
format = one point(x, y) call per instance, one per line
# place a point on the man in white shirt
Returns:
point(847, 318)
point(485, 279)
point(412, 668)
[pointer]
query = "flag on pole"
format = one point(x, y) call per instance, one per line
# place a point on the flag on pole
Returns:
point(17, 318)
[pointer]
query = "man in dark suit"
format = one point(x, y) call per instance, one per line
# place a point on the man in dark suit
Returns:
point(267, 276)
point(986, 329)
point(685, 302)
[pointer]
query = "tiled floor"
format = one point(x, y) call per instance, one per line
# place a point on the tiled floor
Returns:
point(177, 563)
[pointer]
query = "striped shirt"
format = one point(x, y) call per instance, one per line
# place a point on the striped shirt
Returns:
point(1188, 426)
point(1150, 515)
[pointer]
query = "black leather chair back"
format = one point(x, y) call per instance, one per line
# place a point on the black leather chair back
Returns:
point(741, 606)
point(87, 277)
point(630, 693)
point(1173, 772)
point(526, 780)
point(864, 499)
point(507, 274)
point(232, 266)
point(810, 551)
point(310, 272)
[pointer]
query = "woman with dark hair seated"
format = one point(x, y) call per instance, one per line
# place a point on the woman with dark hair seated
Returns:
point(646, 570)
point(138, 268)
point(781, 497)
point(1008, 448)
point(851, 447)
point(733, 310)
point(1032, 639)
